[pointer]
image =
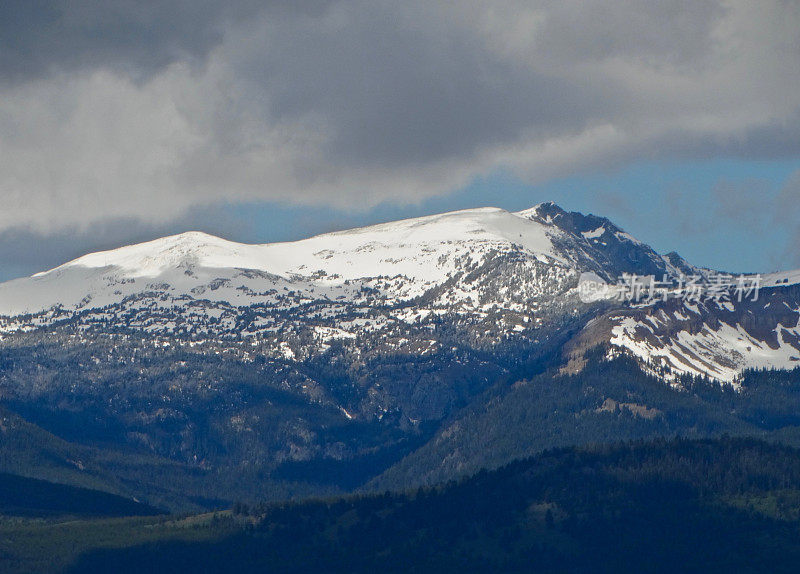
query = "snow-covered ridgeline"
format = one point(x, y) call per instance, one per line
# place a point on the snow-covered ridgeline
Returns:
point(503, 273)
point(424, 252)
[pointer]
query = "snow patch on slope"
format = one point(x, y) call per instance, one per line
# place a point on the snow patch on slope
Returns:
point(720, 354)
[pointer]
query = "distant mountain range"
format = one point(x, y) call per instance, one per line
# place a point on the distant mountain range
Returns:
point(328, 360)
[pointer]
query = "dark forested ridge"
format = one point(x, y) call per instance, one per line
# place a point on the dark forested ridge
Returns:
point(609, 400)
point(722, 505)
point(702, 502)
point(24, 496)
point(276, 448)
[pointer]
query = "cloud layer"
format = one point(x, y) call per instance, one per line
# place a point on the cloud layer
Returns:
point(121, 110)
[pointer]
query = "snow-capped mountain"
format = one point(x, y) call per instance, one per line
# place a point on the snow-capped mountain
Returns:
point(408, 258)
point(492, 276)
point(239, 362)
point(383, 285)
point(415, 255)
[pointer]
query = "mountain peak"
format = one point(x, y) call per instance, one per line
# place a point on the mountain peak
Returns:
point(193, 237)
point(571, 221)
point(152, 257)
point(546, 212)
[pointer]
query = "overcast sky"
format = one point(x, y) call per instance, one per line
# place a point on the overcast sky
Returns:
point(121, 121)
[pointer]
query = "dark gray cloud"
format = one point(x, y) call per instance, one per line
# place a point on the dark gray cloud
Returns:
point(137, 37)
point(397, 95)
point(145, 110)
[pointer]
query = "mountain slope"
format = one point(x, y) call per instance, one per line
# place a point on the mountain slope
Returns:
point(718, 339)
point(610, 399)
point(23, 496)
point(316, 365)
point(664, 506)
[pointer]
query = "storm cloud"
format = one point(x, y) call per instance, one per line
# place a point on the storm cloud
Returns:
point(145, 111)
